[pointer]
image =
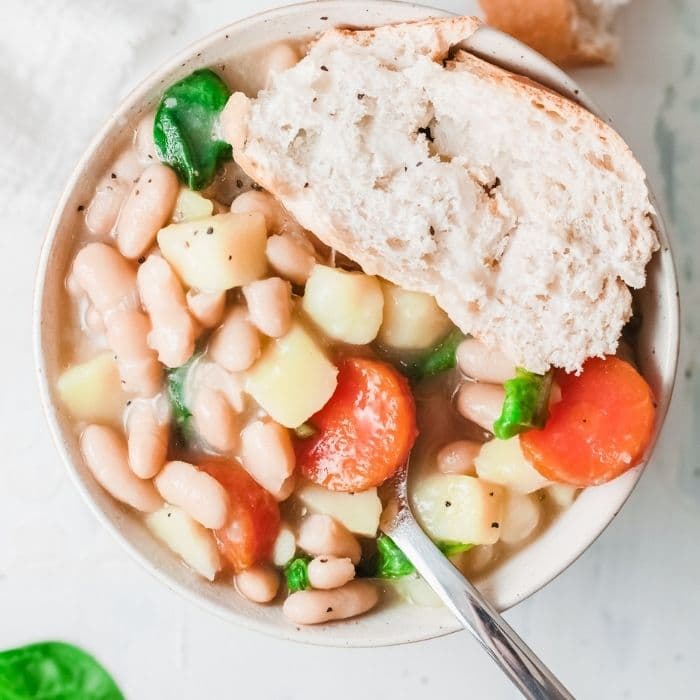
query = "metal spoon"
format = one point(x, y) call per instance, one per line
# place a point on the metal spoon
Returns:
point(527, 672)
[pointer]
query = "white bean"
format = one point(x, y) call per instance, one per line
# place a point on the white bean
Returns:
point(206, 307)
point(212, 375)
point(279, 58)
point(103, 210)
point(289, 258)
point(236, 345)
point(139, 369)
point(458, 457)
point(285, 546)
point(215, 419)
point(520, 518)
point(146, 210)
point(321, 535)
point(315, 607)
point(126, 168)
point(259, 583)
point(482, 363)
point(200, 495)
point(93, 322)
point(233, 124)
point(480, 403)
point(105, 453)
point(143, 139)
point(287, 488)
point(148, 439)
point(270, 305)
point(268, 455)
point(277, 218)
point(327, 572)
point(108, 279)
point(173, 329)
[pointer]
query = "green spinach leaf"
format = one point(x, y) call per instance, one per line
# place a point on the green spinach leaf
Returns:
point(54, 671)
point(184, 128)
point(391, 562)
point(439, 358)
point(297, 574)
point(526, 404)
point(451, 548)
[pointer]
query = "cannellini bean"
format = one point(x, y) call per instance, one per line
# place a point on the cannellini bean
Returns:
point(173, 329)
point(287, 488)
point(200, 495)
point(93, 322)
point(105, 453)
point(236, 345)
point(482, 363)
point(233, 120)
point(268, 455)
point(146, 210)
point(139, 369)
point(458, 457)
point(206, 307)
point(322, 535)
point(103, 210)
point(263, 202)
point(215, 420)
point(480, 403)
point(148, 439)
point(143, 139)
point(210, 374)
point(315, 607)
point(259, 583)
point(279, 58)
point(520, 518)
point(126, 168)
point(270, 305)
point(289, 258)
point(327, 572)
point(108, 279)
point(285, 546)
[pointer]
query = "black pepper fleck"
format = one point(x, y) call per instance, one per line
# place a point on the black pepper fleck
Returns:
point(494, 525)
point(419, 163)
point(323, 561)
point(230, 257)
point(113, 176)
point(329, 609)
point(448, 504)
point(210, 230)
point(149, 181)
point(81, 207)
point(150, 156)
point(187, 244)
point(425, 130)
point(128, 403)
point(138, 192)
point(239, 183)
point(324, 18)
point(141, 260)
point(432, 230)
point(324, 68)
point(306, 184)
point(360, 95)
point(490, 493)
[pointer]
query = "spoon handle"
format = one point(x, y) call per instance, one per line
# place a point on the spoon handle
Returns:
point(527, 672)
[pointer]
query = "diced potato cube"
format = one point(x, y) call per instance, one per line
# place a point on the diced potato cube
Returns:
point(217, 253)
point(191, 205)
point(186, 537)
point(412, 320)
point(293, 379)
point(415, 590)
point(455, 508)
point(347, 306)
point(562, 495)
point(358, 511)
point(92, 391)
point(503, 462)
point(521, 516)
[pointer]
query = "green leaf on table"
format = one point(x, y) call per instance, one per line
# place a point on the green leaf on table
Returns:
point(54, 671)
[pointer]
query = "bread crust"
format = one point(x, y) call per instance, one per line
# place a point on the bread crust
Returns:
point(548, 26)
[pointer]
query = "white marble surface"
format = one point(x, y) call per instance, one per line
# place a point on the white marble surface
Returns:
point(620, 623)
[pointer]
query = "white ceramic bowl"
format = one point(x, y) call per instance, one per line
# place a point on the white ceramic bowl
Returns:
point(396, 623)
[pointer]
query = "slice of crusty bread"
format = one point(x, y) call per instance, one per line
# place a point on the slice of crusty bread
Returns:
point(568, 32)
point(522, 213)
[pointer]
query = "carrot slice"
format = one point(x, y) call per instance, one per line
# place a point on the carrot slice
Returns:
point(598, 430)
point(254, 516)
point(365, 431)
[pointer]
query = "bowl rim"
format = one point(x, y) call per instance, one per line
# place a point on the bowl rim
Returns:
point(138, 93)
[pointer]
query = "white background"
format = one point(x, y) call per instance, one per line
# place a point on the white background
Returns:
point(620, 623)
